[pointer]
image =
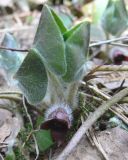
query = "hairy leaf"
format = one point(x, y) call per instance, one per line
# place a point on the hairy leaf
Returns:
point(32, 77)
point(50, 44)
point(67, 19)
point(114, 19)
point(76, 52)
point(44, 139)
point(10, 61)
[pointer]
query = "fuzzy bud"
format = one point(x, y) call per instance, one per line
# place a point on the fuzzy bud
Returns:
point(58, 119)
point(118, 55)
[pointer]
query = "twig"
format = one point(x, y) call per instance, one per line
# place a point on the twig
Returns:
point(99, 93)
point(113, 109)
point(30, 120)
point(1, 157)
point(124, 100)
point(112, 68)
point(14, 49)
point(28, 137)
point(11, 92)
point(119, 44)
point(16, 29)
point(7, 95)
point(3, 146)
point(89, 122)
point(107, 41)
point(50, 155)
point(120, 115)
point(14, 98)
point(7, 108)
point(90, 96)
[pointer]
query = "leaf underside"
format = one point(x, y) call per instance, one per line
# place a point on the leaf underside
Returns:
point(10, 61)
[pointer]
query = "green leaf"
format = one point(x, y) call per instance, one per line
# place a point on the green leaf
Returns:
point(70, 32)
point(97, 33)
point(67, 19)
point(55, 90)
point(44, 139)
point(115, 17)
point(32, 77)
point(10, 61)
point(59, 22)
point(76, 52)
point(98, 10)
point(10, 155)
point(50, 44)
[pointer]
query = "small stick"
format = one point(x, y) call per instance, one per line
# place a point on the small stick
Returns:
point(1, 157)
point(89, 122)
point(112, 109)
point(14, 98)
point(11, 92)
point(112, 68)
point(16, 29)
point(119, 44)
point(107, 41)
point(14, 49)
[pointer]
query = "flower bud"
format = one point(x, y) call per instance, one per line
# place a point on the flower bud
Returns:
point(118, 55)
point(58, 119)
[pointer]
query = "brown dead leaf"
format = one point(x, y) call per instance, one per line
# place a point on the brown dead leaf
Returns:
point(9, 127)
point(115, 143)
point(5, 124)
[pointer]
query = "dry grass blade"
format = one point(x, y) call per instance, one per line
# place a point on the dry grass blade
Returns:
point(113, 109)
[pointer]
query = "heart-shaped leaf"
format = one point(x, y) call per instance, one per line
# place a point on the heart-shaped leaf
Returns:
point(49, 42)
point(76, 52)
point(44, 139)
point(32, 77)
point(115, 17)
point(10, 61)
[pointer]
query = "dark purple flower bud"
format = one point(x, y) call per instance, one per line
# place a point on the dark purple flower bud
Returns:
point(118, 55)
point(58, 119)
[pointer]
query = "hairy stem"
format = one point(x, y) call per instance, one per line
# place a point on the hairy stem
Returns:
point(71, 95)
